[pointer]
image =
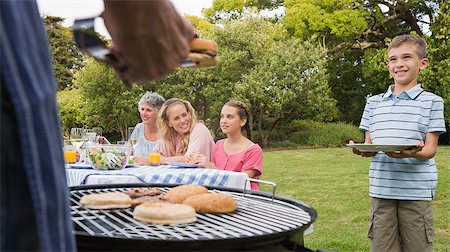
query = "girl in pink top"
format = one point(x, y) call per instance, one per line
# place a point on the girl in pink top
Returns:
point(181, 134)
point(236, 152)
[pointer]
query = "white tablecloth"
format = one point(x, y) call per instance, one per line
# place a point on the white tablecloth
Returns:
point(158, 174)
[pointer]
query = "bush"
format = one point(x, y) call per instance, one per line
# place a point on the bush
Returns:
point(335, 135)
point(324, 134)
point(299, 125)
point(311, 133)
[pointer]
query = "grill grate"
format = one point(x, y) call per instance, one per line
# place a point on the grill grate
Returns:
point(256, 216)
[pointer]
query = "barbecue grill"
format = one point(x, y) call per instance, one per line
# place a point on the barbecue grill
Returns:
point(261, 220)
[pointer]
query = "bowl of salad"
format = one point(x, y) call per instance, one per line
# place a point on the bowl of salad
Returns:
point(108, 156)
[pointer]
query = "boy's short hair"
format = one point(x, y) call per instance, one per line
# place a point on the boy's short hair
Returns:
point(416, 41)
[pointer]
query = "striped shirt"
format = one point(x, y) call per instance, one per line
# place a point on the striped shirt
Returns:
point(29, 83)
point(402, 119)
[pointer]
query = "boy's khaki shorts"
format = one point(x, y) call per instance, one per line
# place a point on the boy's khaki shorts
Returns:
point(400, 225)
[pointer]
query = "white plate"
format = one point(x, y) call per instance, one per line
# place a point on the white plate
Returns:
point(88, 166)
point(182, 165)
point(79, 166)
point(380, 147)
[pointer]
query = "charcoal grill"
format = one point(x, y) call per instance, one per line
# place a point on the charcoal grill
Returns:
point(261, 220)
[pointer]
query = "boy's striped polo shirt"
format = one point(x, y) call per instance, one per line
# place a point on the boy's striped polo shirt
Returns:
point(402, 119)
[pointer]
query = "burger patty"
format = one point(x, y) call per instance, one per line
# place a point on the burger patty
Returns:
point(139, 192)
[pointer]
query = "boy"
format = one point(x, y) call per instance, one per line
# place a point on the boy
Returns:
point(402, 184)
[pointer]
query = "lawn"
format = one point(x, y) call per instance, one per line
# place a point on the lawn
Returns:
point(334, 182)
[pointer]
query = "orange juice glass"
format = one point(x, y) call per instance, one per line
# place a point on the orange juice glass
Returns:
point(70, 156)
point(154, 158)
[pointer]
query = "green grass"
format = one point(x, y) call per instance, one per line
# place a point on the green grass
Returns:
point(334, 182)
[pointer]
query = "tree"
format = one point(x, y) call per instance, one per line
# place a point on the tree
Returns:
point(352, 78)
point(357, 24)
point(66, 56)
point(356, 33)
point(436, 78)
point(109, 103)
point(279, 78)
point(282, 79)
point(236, 9)
point(203, 28)
point(71, 106)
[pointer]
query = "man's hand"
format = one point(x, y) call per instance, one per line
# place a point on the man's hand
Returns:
point(149, 38)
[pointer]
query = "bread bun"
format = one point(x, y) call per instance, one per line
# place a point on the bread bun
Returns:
point(179, 193)
point(108, 200)
point(204, 46)
point(203, 52)
point(164, 213)
point(212, 203)
point(202, 60)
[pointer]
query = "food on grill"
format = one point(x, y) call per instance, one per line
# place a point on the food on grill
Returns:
point(212, 203)
point(164, 213)
point(139, 192)
point(144, 199)
point(179, 193)
point(259, 222)
point(108, 200)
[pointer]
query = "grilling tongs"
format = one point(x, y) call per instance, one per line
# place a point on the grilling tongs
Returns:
point(203, 52)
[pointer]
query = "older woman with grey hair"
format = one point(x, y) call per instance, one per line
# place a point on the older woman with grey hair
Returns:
point(146, 133)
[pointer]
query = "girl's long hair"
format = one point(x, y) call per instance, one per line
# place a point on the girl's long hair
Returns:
point(243, 113)
point(168, 134)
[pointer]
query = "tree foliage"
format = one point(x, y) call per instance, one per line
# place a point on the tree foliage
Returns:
point(109, 103)
point(279, 78)
point(66, 56)
point(203, 28)
point(71, 107)
point(333, 19)
point(436, 77)
point(357, 24)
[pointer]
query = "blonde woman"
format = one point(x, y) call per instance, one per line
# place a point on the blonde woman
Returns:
point(181, 133)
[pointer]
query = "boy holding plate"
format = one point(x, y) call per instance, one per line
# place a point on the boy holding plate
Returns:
point(403, 183)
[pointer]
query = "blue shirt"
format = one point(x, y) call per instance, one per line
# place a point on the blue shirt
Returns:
point(402, 119)
point(28, 81)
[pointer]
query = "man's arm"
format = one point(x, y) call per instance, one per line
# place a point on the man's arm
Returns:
point(149, 38)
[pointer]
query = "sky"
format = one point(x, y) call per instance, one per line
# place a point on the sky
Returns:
point(73, 9)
